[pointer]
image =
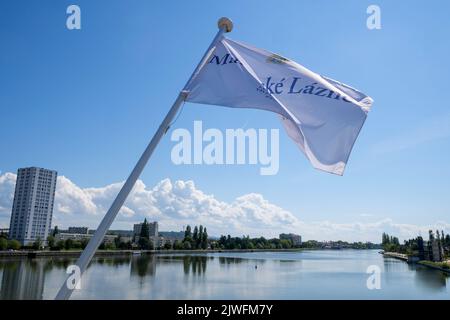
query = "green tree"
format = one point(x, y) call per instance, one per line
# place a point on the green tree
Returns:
point(167, 245)
point(187, 232)
point(60, 245)
point(37, 245)
point(195, 237)
point(177, 245)
point(110, 246)
point(384, 239)
point(198, 244)
point(187, 245)
point(395, 241)
point(51, 242)
point(143, 243)
point(68, 244)
point(3, 244)
point(128, 245)
point(187, 237)
point(391, 243)
point(76, 245)
point(14, 244)
point(204, 240)
point(285, 244)
point(214, 245)
point(118, 241)
point(83, 243)
point(55, 231)
point(145, 230)
point(144, 237)
point(430, 235)
point(222, 241)
point(151, 245)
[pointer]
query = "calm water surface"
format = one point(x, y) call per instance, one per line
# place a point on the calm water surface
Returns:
point(324, 274)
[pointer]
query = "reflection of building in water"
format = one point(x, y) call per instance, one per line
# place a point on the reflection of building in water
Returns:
point(143, 265)
point(23, 280)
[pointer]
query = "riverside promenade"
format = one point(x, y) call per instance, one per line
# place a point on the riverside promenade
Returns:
point(401, 256)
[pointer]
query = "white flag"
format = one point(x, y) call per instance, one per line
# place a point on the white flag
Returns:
point(321, 115)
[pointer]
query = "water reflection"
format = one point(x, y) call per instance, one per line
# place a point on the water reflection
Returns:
point(114, 261)
point(392, 265)
point(146, 265)
point(302, 275)
point(143, 266)
point(23, 280)
point(431, 280)
point(424, 278)
point(195, 264)
point(230, 260)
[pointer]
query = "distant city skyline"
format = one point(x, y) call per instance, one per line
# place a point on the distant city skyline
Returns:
point(86, 102)
point(174, 203)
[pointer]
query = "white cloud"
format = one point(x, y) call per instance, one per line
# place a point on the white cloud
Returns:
point(176, 204)
point(7, 185)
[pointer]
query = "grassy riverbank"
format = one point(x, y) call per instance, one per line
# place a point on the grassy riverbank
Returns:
point(443, 266)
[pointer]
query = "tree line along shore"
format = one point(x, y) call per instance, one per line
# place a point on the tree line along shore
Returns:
point(195, 239)
point(434, 252)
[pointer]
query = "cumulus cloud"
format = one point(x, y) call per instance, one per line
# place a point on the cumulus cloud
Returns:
point(175, 204)
point(7, 185)
point(368, 231)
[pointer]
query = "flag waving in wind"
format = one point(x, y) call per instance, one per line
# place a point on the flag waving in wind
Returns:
point(321, 115)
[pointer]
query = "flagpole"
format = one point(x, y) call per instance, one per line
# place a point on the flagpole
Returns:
point(224, 25)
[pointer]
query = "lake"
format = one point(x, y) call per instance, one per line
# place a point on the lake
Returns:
point(309, 274)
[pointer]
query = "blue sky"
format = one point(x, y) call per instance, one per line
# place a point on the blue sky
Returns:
point(86, 102)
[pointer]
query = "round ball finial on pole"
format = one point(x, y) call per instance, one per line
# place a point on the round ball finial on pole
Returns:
point(226, 23)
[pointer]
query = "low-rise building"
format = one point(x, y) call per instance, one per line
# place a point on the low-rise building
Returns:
point(63, 236)
point(80, 230)
point(108, 239)
point(125, 239)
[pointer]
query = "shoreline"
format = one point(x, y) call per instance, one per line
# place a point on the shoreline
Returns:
point(105, 253)
point(431, 265)
point(409, 259)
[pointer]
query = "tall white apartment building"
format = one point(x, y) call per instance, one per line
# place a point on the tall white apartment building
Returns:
point(32, 211)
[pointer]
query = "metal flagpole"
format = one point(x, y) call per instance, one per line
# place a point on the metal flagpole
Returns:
point(225, 25)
